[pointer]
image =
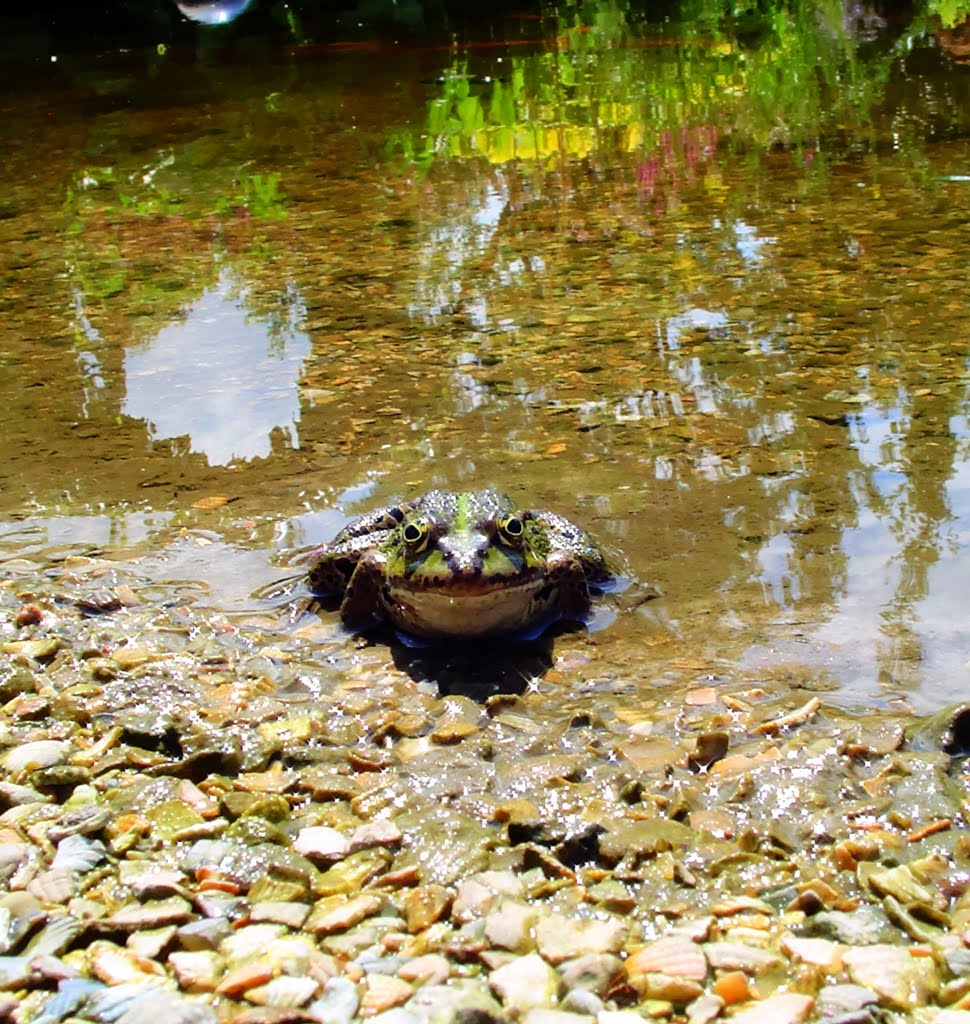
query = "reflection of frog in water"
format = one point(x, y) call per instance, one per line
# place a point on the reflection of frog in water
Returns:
point(460, 565)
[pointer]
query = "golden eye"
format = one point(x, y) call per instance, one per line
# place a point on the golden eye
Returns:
point(511, 529)
point(415, 535)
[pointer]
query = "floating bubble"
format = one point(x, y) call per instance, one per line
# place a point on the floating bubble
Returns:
point(213, 12)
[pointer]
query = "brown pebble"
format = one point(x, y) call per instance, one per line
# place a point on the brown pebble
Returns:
point(29, 615)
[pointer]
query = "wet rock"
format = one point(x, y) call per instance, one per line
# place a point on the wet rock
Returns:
point(673, 955)
point(477, 893)
point(338, 913)
point(55, 937)
point(292, 915)
point(158, 1005)
point(843, 1000)
point(320, 843)
point(115, 965)
point(39, 754)
point(206, 934)
point(564, 937)
point(381, 992)
point(594, 972)
point(738, 956)
point(863, 926)
point(422, 905)
point(375, 833)
point(510, 925)
point(284, 991)
point(525, 983)
point(430, 969)
point(900, 980)
point(151, 914)
point(151, 942)
point(781, 1008)
point(461, 1001)
point(339, 1002)
point(197, 971)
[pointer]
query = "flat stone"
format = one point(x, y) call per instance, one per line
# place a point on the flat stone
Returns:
point(152, 914)
point(901, 980)
point(525, 983)
point(560, 937)
point(510, 926)
point(594, 972)
point(293, 915)
point(321, 843)
point(338, 913)
point(782, 1008)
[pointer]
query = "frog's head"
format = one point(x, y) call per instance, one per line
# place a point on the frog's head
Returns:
point(465, 542)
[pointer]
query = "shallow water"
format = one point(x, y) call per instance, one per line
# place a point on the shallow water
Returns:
point(720, 325)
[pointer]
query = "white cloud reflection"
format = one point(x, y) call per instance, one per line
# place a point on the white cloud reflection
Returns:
point(225, 379)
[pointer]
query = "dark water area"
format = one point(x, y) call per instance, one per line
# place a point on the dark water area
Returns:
point(697, 285)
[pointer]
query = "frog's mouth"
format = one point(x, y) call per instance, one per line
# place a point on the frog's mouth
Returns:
point(470, 608)
point(470, 584)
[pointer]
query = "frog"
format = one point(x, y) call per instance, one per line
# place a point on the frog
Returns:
point(460, 565)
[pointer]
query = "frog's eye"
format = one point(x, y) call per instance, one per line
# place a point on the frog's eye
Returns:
point(511, 529)
point(416, 534)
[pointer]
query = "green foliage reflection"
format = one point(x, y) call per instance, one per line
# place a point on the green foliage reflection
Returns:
point(791, 72)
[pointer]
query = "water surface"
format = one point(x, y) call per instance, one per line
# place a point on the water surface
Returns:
point(704, 295)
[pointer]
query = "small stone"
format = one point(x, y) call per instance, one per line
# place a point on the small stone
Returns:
point(197, 971)
point(379, 832)
point(594, 972)
point(247, 976)
point(338, 913)
point(525, 983)
point(284, 991)
point(672, 955)
point(560, 937)
point(901, 980)
point(203, 935)
point(510, 926)
point(423, 905)
point(338, 1004)
point(818, 952)
point(477, 893)
point(738, 956)
point(152, 914)
point(781, 1008)
point(321, 843)
point(292, 915)
point(30, 757)
point(151, 942)
point(381, 992)
point(429, 969)
point(843, 1000)
point(117, 966)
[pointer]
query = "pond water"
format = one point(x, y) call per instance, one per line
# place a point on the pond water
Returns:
point(705, 297)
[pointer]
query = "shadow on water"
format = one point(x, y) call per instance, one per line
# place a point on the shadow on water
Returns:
point(477, 671)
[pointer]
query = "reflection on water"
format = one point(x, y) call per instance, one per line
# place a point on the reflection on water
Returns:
point(701, 292)
point(213, 12)
point(222, 377)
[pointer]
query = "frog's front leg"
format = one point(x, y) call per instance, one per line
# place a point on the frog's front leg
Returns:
point(333, 565)
point(565, 572)
point(363, 604)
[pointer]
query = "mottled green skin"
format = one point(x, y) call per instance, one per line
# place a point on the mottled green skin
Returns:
point(454, 565)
